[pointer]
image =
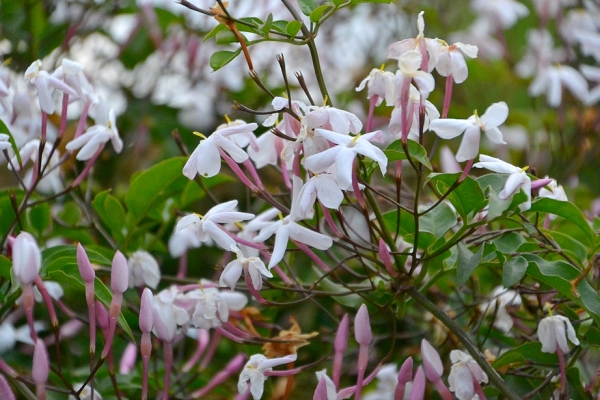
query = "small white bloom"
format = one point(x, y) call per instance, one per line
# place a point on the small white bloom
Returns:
point(409, 68)
point(500, 299)
point(381, 84)
point(212, 306)
point(86, 393)
point(208, 225)
point(320, 186)
point(97, 135)
point(449, 128)
point(464, 372)
point(143, 270)
point(168, 315)
point(254, 371)
point(451, 60)
point(45, 84)
point(504, 12)
point(553, 331)
point(250, 265)
point(550, 80)
point(344, 154)
point(206, 159)
point(518, 179)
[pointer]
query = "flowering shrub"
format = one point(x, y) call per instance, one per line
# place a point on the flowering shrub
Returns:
point(324, 243)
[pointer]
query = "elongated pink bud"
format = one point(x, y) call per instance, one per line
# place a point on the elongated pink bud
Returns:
point(384, 255)
point(418, 388)
point(146, 311)
point(40, 369)
point(119, 276)
point(434, 368)
point(540, 183)
point(404, 376)
point(128, 359)
point(26, 258)
point(85, 267)
point(102, 317)
point(340, 344)
point(6, 392)
point(362, 326)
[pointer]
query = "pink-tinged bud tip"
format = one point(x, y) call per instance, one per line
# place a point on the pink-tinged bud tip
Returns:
point(418, 388)
point(83, 262)
point(119, 276)
point(384, 255)
point(102, 316)
point(6, 392)
point(540, 183)
point(405, 374)
point(434, 368)
point(321, 390)
point(26, 258)
point(146, 311)
point(341, 337)
point(128, 359)
point(41, 366)
point(236, 364)
point(362, 326)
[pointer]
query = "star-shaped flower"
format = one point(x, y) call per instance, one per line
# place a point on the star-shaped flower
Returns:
point(553, 332)
point(448, 128)
point(254, 371)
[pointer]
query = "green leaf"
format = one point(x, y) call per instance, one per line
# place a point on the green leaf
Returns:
point(7, 214)
point(40, 217)
point(70, 213)
point(193, 192)
point(307, 6)
point(318, 12)
point(568, 211)
point(497, 206)
point(438, 220)
point(509, 242)
point(219, 59)
point(54, 257)
point(69, 275)
point(293, 27)
point(267, 25)
point(569, 244)
point(5, 267)
point(467, 262)
point(216, 29)
point(558, 274)
point(395, 152)
point(513, 271)
point(11, 139)
point(111, 213)
point(152, 187)
point(226, 37)
point(528, 352)
point(467, 198)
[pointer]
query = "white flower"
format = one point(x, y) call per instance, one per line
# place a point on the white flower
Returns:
point(592, 74)
point(86, 393)
point(97, 135)
point(409, 68)
point(387, 380)
point(504, 12)
point(540, 53)
point(551, 79)
point(45, 84)
point(397, 49)
point(414, 102)
point(250, 265)
point(184, 239)
point(26, 257)
point(212, 306)
point(322, 186)
point(206, 159)
point(451, 60)
point(72, 74)
point(518, 178)
point(449, 128)
point(9, 335)
point(143, 270)
point(465, 371)
point(381, 84)
point(207, 225)
point(344, 154)
point(501, 298)
point(553, 331)
point(168, 316)
point(254, 371)
point(288, 229)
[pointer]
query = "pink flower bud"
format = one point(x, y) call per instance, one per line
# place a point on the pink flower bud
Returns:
point(41, 367)
point(119, 276)
point(26, 258)
point(404, 376)
point(321, 390)
point(102, 316)
point(146, 311)
point(362, 326)
point(418, 388)
point(540, 183)
point(434, 368)
point(6, 392)
point(384, 255)
point(341, 337)
point(83, 262)
point(128, 359)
